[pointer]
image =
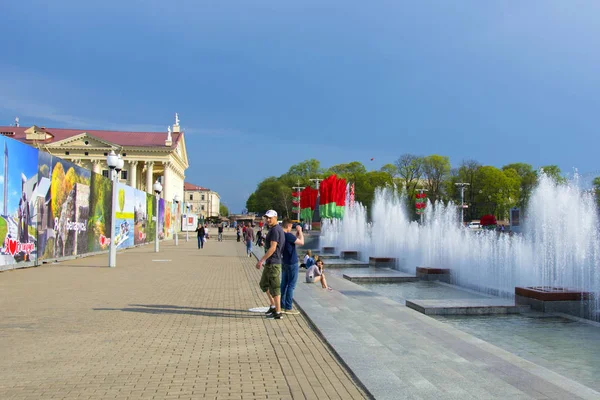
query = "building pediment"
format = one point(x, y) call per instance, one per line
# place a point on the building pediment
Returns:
point(84, 140)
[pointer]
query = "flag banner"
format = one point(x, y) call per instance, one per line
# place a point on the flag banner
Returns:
point(332, 197)
point(295, 194)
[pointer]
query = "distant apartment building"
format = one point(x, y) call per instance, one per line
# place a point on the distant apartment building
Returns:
point(202, 201)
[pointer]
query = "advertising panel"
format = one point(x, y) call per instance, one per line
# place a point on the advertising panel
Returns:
point(19, 181)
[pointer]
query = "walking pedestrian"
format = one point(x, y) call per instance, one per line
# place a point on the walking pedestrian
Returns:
point(249, 237)
point(220, 233)
point(270, 281)
point(289, 266)
point(201, 233)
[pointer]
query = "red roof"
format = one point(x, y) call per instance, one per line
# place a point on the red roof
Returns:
point(192, 187)
point(123, 138)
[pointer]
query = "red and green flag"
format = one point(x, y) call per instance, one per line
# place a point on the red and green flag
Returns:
point(332, 197)
point(308, 202)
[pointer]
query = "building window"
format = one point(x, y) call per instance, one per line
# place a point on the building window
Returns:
point(124, 175)
point(191, 197)
point(105, 154)
point(86, 153)
point(202, 208)
point(202, 197)
point(66, 153)
point(105, 173)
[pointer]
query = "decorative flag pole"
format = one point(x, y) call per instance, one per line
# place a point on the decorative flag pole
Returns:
point(420, 203)
point(298, 190)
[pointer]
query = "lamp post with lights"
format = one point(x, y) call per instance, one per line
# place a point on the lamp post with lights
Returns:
point(115, 164)
point(176, 201)
point(157, 190)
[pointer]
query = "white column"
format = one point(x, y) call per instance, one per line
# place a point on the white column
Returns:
point(133, 174)
point(149, 172)
point(97, 166)
point(168, 195)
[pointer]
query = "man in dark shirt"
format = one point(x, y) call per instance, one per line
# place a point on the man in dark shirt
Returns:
point(220, 230)
point(289, 267)
point(249, 238)
point(270, 281)
point(201, 233)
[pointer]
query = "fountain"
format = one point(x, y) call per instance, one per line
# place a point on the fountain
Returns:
point(558, 251)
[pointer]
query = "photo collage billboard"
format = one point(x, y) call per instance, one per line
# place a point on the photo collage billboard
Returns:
point(52, 209)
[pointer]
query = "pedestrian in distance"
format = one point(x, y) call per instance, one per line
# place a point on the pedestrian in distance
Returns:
point(289, 266)
point(220, 233)
point(249, 238)
point(201, 233)
point(270, 281)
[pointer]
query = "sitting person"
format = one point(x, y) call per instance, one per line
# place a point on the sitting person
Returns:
point(308, 260)
point(316, 273)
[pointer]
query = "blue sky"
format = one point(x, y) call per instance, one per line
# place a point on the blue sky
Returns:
point(260, 85)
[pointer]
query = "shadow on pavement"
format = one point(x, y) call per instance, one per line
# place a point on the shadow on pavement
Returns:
point(183, 312)
point(185, 308)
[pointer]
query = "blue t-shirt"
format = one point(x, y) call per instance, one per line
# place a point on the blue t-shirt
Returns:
point(276, 234)
point(289, 249)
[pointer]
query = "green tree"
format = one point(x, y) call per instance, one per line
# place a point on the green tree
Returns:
point(498, 191)
point(271, 193)
point(436, 169)
point(351, 171)
point(365, 185)
point(251, 203)
point(223, 210)
point(305, 170)
point(390, 169)
point(410, 171)
point(596, 188)
point(528, 181)
point(553, 172)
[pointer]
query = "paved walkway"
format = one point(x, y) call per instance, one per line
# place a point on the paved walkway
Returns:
point(168, 325)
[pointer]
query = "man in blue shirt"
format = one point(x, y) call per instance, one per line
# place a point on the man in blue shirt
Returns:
point(289, 268)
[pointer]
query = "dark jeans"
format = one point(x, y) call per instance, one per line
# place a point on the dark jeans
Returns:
point(289, 277)
point(200, 242)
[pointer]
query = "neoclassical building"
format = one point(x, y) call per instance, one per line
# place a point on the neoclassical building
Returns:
point(148, 156)
point(202, 201)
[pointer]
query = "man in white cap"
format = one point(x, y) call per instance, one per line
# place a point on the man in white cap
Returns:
point(270, 281)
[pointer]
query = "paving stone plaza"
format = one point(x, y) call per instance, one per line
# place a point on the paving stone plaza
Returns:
point(176, 324)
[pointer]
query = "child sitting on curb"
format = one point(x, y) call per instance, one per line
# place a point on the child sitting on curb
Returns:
point(316, 273)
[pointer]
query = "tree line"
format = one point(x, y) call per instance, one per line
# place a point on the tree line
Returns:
point(491, 190)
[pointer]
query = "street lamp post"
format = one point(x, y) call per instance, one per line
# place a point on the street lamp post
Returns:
point(157, 189)
point(176, 200)
point(115, 163)
point(187, 228)
point(462, 186)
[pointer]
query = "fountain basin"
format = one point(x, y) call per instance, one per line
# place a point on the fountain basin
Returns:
point(553, 299)
point(467, 306)
point(349, 254)
point(433, 274)
point(383, 262)
point(383, 275)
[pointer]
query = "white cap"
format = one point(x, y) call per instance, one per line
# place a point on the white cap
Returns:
point(271, 213)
